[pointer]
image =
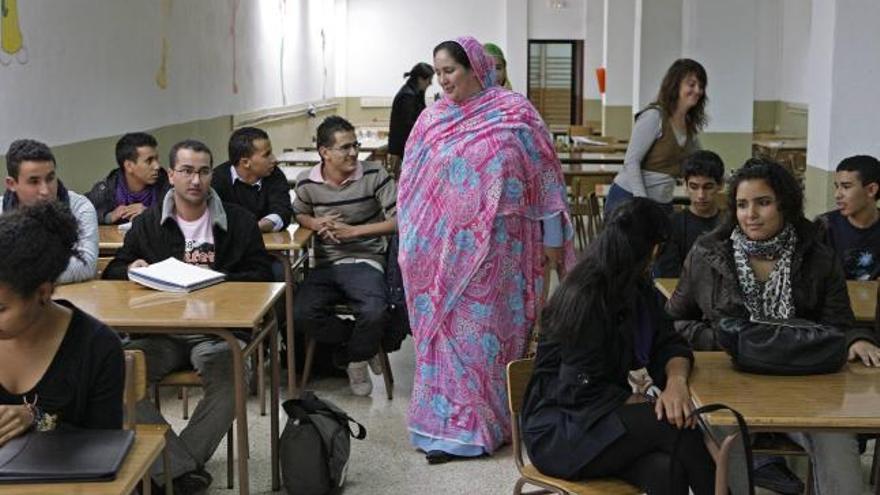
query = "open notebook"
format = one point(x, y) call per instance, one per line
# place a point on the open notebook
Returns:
point(173, 275)
point(57, 456)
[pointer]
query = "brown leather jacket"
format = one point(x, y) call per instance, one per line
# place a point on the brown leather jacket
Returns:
point(708, 288)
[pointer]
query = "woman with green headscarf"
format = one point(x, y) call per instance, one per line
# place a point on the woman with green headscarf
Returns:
point(500, 64)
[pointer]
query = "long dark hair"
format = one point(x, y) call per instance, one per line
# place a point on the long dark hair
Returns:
point(786, 188)
point(603, 283)
point(667, 97)
point(419, 71)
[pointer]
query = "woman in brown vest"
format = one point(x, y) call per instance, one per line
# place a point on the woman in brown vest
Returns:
point(664, 134)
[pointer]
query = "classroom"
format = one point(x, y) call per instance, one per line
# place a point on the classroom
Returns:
point(517, 242)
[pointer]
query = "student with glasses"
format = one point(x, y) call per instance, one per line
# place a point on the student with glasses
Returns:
point(192, 224)
point(351, 206)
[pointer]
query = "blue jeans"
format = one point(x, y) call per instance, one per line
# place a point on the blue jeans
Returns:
point(358, 285)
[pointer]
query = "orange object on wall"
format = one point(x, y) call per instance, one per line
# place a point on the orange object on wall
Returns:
point(600, 78)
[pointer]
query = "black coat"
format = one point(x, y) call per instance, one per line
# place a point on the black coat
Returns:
point(567, 415)
point(405, 110)
point(273, 195)
point(709, 288)
point(239, 250)
point(103, 193)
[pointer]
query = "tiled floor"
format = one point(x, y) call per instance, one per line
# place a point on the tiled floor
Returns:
point(384, 463)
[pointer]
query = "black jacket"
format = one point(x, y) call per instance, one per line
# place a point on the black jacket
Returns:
point(273, 195)
point(103, 194)
point(239, 249)
point(566, 420)
point(405, 110)
point(709, 288)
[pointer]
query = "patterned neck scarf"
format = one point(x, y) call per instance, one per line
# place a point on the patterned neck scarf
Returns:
point(772, 299)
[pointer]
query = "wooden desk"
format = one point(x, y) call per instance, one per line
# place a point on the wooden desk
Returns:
point(847, 401)
point(281, 245)
point(862, 295)
point(218, 310)
point(149, 441)
point(679, 195)
point(590, 158)
point(311, 156)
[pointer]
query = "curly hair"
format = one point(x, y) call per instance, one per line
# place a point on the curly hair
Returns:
point(37, 243)
point(667, 97)
point(786, 188)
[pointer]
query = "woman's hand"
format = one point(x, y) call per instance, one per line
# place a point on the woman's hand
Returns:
point(14, 420)
point(553, 259)
point(674, 403)
point(866, 351)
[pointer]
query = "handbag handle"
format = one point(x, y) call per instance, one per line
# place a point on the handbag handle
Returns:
point(743, 432)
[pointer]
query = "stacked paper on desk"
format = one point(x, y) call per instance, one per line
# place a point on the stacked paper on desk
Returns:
point(173, 275)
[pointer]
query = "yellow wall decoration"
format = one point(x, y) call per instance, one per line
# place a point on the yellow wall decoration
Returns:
point(11, 41)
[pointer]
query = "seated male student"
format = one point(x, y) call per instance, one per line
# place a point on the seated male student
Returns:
point(135, 185)
point(852, 229)
point(193, 225)
point(351, 206)
point(31, 179)
point(251, 179)
point(703, 178)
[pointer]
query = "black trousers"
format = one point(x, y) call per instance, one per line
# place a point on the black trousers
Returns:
point(360, 286)
point(642, 456)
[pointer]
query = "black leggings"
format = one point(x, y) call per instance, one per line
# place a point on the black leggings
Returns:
point(642, 455)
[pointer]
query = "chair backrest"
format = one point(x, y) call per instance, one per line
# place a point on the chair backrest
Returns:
point(135, 384)
point(519, 373)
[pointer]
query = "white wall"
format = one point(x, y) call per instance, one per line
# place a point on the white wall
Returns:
point(92, 64)
point(796, 15)
point(564, 23)
point(385, 38)
point(618, 52)
point(768, 50)
point(594, 46)
point(721, 35)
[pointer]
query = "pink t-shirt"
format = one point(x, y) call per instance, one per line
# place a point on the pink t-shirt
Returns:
point(198, 239)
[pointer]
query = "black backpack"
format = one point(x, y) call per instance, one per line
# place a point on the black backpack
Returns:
point(315, 446)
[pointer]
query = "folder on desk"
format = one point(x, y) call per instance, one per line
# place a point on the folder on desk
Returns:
point(173, 275)
point(59, 456)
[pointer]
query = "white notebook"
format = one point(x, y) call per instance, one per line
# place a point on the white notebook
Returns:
point(173, 275)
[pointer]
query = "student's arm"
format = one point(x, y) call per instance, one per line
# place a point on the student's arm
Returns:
point(386, 195)
point(99, 196)
point(104, 408)
point(85, 267)
point(278, 195)
point(130, 251)
point(585, 371)
point(837, 311)
point(683, 307)
point(646, 130)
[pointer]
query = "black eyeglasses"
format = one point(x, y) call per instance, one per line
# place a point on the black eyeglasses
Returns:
point(188, 172)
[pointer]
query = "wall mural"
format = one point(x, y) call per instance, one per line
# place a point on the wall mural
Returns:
point(162, 72)
point(11, 41)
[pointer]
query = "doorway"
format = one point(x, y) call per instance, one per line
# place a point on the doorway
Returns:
point(555, 80)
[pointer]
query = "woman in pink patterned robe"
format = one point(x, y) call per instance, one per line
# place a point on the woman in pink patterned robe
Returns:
point(481, 209)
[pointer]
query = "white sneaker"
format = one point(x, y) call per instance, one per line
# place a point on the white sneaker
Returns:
point(375, 363)
point(359, 379)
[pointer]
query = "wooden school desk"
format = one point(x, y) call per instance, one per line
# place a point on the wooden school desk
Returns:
point(149, 440)
point(217, 310)
point(847, 401)
point(292, 241)
point(584, 158)
point(862, 296)
point(679, 195)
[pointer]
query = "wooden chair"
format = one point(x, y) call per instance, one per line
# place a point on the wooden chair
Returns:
point(387, 375)
point(188, 379)
point(135, 390)
point(781, 445)
point(585, 209)
point(518, 374)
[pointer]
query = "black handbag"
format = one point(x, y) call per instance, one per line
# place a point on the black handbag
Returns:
point(782, 347)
